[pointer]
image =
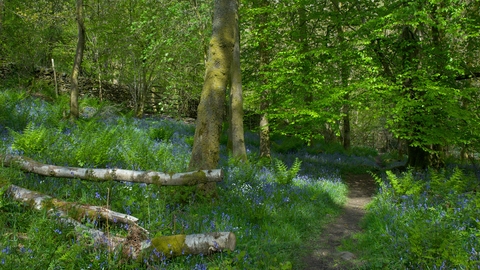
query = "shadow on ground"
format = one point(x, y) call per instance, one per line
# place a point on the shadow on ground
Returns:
point(324, 253)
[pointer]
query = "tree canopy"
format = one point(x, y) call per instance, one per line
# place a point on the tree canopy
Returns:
point(379, 74)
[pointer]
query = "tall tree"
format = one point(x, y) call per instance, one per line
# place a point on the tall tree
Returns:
point(420, 57)
point(236, 132)
point(74, 110)
point(206, 146)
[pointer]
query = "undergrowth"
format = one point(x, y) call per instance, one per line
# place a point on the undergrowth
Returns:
point(423, 220)
point(272, 207)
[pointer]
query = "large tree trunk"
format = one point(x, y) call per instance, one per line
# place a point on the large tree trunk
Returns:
point(206, 146)
point(236, 132)
point(149, 177)
point(74, 110)
point(417, 157)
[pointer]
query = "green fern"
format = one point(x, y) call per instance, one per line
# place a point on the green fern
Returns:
point(283, 174)
point(33, 140)
point(455, 184)
point(405, 185)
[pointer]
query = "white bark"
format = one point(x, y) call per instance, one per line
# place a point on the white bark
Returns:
point(149, 177)
point(68, 209)
point(193, 244)
point(137, 240)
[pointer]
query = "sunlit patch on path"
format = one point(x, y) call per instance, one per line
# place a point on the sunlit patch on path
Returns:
point(324, 252)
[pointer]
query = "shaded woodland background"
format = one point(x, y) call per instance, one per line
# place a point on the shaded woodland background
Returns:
point(396, 76)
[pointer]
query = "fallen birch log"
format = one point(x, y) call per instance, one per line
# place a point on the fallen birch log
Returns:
point(136, 242)
point(148, 177)
point(71, 210)
point(193, 244)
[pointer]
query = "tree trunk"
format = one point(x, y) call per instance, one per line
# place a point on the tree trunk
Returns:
point(236, 132)
point(74, 110)
point(346, 127)
point(1, 16)
point(137, 241)
point(417, 157)
point(344, 78)
point(72, 210)
point(264, 134)
point(206, 146)
point(264, 102)
point(149, 177)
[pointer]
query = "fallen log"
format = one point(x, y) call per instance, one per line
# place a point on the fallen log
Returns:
point(71, 210)
point(148, 177)
point(137, 241)
point(193, 244)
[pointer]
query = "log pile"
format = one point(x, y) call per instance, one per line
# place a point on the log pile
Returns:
point(137, 241)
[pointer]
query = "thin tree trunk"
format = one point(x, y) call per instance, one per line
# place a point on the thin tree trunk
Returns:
point(264, 133)
point(236, 136)
point(1, 16)
point(264, 102)
point(344, 77)
point(74, 110)
point(206, 147)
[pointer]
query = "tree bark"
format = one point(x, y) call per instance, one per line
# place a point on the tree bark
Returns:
point(206, 147)
point(236, 132)
point(71, 210)
point(137, 241)
point(264, 102)
point(194, 244)
point(74, 110)
point(148, 177)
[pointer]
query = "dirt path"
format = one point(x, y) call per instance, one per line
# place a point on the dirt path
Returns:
point(324, 254)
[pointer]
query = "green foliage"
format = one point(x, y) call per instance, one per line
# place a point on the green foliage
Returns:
point(161, 133)
point(363, 151)
point(33, 140)
point(286, 144)
point(98, 150)
point(429, 224)
point(284, 175)
point(405, 185)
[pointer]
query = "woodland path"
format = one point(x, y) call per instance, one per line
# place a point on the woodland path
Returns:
point(324, 253)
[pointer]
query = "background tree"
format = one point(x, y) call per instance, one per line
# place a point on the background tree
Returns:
point(77, 64)
point(419, 61)
point(236, 142)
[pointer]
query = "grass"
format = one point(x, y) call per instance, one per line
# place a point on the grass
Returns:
point(273, 208)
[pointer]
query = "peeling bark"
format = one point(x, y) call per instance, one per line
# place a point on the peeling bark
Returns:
point(148, 177)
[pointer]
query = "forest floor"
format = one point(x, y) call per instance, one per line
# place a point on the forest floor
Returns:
point(324, 252)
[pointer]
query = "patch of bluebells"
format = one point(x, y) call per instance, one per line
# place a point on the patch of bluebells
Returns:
point(447, 223)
